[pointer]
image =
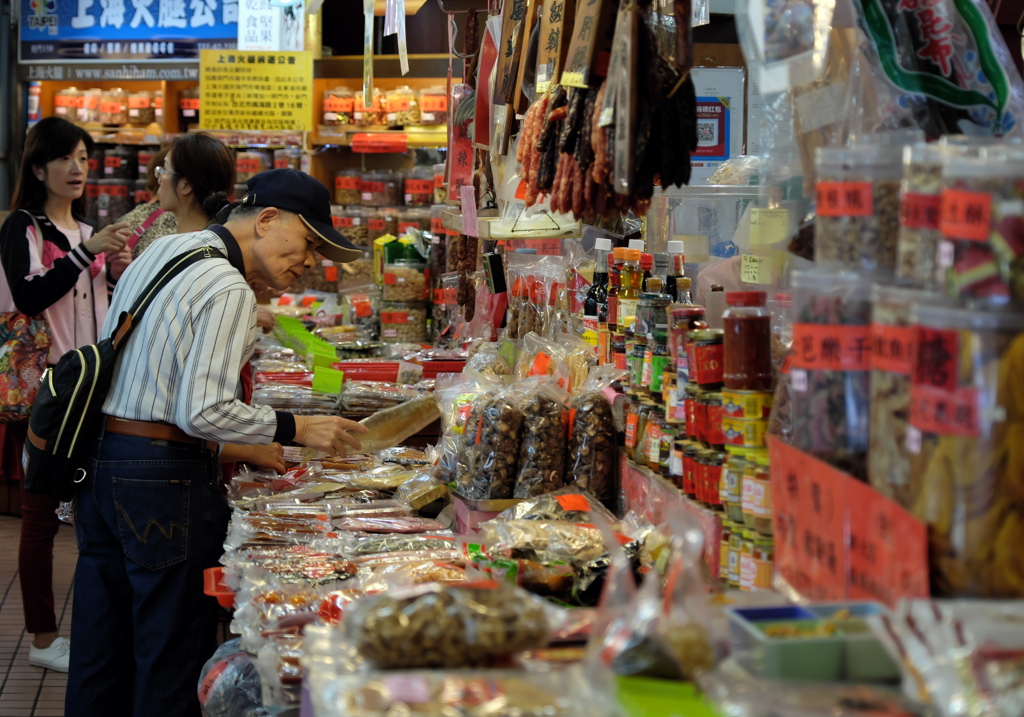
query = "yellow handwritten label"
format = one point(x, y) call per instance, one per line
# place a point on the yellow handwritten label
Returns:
point(756, 269)
point(768, 226)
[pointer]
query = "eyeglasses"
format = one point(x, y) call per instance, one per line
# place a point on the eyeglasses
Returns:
point(161, 172)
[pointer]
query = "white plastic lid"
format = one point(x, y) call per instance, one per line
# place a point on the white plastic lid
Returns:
point(636, 244)
point(603, 244)
point(676, 247)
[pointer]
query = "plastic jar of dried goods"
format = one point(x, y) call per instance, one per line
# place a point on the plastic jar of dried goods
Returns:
point(858, 205)
point(338, 107)
point(351, 223)
point(188, 108)
point(403, 322)
point(248, 164)
point(434, 105)
point(382, 189)
point(403, 107)
point(440, 188)
point(369, 115)
point(747, 343)
point(140, 192)
point(89, 105)
point(404, 281)
point(114, 107)
point(348, 185)
point(383, 221)
point(419, 187)
point(140, 108)
point(158, 106)
point(66, 103)
point(416, 218)
point(120, 163)
point(288, 158)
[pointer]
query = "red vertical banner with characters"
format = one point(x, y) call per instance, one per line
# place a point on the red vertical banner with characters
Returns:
point(460, 155)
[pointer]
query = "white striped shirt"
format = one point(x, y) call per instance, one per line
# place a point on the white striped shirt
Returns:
point(181, 364)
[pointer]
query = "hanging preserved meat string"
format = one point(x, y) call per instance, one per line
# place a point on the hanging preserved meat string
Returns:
point(598, 143)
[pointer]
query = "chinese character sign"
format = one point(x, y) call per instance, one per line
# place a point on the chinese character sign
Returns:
point(271, 27)
point(270, 91)
point(125, 29)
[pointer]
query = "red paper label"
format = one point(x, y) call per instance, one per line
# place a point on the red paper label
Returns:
point(136, 103)
point(394, 317)
point(380, 143)
point(247, 165)
point(363, 308)
point(403, 227)
point(281, 164)
point(689, 475)
point(700, 412)
point(372, 187)
point(690, 407)
point(936, 358)
point(118, 190)
point(94, 165)
point(348, 182)
point(716, 436)
point(540, 365)
point(330, 273)
point(340, 222)
point(434, 103)
point(845, 199)
point(390, 279)
point(419, 186)
point(920, 211)
point(339, 104)
point(821, 347)
point(400, 105)
point(112, 162)
point(574, 502)
point(211, 679)
point(949, 413)
point(966, 215)
point(377, 225)
point(188, 104)
point(707, 363)
point(892, 349)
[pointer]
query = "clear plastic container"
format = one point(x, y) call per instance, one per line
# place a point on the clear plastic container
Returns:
point(158, 106)
point(96, 163)
point(372, 115)
point(114, 108)
point(405, 281)
point(145, 156)
point(89, 105)
point(120, 163)
point(747, 355)
point(858, 205)
point(981, 207)
point(440, 188)
point(338, 107)
point(419, 187)
point(403, 107)
point(348, 185)
point(403, 322)
point(382, 189)
point(140, 192)
point(434, 105)
point(830, 374)
point(383, 221)
point(66, 103)
point(188, 108)
point(920, 202)
point(892, 363)
point(288, 158)
point(353, 224)
point(413, 218)
point(965, 442)
point(90, 201)
point(250, 163)
point(140, 108)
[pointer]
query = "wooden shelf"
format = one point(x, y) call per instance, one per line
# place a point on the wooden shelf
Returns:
point(425, 137)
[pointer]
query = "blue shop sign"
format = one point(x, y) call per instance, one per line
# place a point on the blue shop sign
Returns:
point(126, 29)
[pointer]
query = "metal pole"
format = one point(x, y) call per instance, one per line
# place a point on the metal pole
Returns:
point(10, 102)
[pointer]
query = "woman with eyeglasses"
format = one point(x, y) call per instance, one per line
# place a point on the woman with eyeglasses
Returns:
point(66, 277)
point(197, 176)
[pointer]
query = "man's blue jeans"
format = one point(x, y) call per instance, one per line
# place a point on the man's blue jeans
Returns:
point(149, 519)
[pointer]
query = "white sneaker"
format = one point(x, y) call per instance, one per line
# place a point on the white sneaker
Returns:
point(55, 657)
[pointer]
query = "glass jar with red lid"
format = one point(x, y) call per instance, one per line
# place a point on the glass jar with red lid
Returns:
point(747, 343)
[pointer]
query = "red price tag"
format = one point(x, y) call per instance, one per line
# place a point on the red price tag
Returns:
point(521, 190)
point(380, 143)
point(920, 211)
point(330, 273)
point(390, 279)
point(966, 215)
point(339, 104)
point(419, 186)
point(280, 164)
point(892, 349)
point(434, 103)
point(540, 365)
point(112, 162)
point(342, 222)
point(821, 347)
point(845, 199)
point(247, 166)
point(574, 502)
point(188, 104)
point(936, 356)
point(377, 225)
point(347, 182)
point(948, 413)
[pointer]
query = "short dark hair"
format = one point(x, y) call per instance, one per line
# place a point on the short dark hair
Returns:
point(50, 139)
point(250, 211)
point(208, 165)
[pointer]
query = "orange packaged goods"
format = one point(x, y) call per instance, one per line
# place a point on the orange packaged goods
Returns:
point(434, 105)
point(338, 107)
point(372, 114)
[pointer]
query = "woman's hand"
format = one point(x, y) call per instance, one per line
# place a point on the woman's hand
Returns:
point(112, 239)
point(119, 261)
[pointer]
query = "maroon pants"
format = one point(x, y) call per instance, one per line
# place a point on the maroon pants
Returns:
point(39, 525)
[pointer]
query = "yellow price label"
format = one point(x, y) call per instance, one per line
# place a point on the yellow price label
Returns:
point(756, 269)
point(768, 226)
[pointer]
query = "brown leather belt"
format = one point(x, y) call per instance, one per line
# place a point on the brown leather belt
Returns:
point(156, 432)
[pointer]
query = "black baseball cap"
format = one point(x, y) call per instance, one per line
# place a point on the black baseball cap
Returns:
point(293, 191)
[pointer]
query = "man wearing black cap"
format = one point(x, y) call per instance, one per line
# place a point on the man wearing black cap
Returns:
point(150, 516)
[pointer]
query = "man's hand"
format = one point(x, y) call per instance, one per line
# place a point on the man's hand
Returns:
point(329, 434)
point(265, 319)
point(268, 456)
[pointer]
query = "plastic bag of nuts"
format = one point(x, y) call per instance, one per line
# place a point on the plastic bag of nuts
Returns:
point(403, 322)
point(446, 626)
point(858, 204)
point(591, 449)
point(542, 449)
point(492, 446)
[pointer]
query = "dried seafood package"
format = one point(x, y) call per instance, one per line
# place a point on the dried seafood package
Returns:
point(391, 426)
point(830, 375)
point(892, 362)
point(456, 396)
point(447, 626)
point(920, 200)
point(543, 438)
point(545, 541)
point(568, 505)
point(966, 445)
point(591, 453)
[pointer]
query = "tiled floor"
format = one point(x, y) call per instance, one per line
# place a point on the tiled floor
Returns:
point(27, 691)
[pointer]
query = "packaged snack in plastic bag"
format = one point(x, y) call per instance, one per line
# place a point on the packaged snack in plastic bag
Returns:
point(966, 446)
point(541, 357)
point(569, 505)
point(447, 626)
point(489, 360)
point(395, 524)
point(542, 442)
point(591, 451)
point(830, 374)
point(891, 367)
point(385, 577)
point(545, 541)
point(391, 426)
point(421, 491)
point(455, 396)
point(580, 357)
point(229, 684)
point(490, 447)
